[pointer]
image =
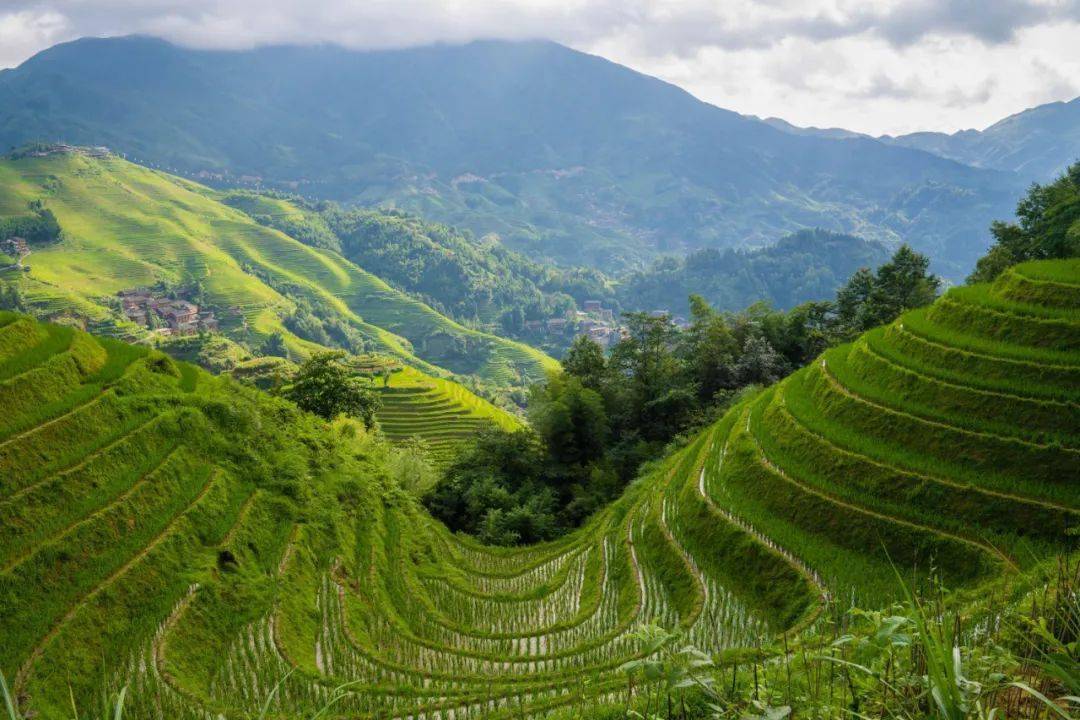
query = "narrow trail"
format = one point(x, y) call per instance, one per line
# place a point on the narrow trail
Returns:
point(688, 562)
point(86, 460)
point(59, 418)
point(827, 497)
point(839, 387)
point(983, 355)
point(953, 384)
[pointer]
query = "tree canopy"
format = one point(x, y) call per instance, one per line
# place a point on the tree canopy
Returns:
point(327, 388)
point(1047, 227)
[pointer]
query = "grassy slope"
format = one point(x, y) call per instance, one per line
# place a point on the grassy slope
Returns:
point(440, 412)
point(263, 568)
point(127, 226)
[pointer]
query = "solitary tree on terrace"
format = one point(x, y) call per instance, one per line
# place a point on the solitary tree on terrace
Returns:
point(327, 388)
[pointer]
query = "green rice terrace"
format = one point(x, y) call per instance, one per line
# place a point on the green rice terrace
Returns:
point(125, 226)
point(160, 530)
point(439, 412)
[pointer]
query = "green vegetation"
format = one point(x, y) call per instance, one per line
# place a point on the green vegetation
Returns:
point(1048, 227)
point(442, 415)
point(325, 387)
point(804, 266)
point(38, 226)
point(125, 226)
point(202, 544)
point(474, 282)
point(217, 551)
point(593, 426)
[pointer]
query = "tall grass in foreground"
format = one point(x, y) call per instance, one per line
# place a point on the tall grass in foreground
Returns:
point(919, 658)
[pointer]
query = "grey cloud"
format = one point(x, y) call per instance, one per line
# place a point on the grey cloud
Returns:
point(681, 29)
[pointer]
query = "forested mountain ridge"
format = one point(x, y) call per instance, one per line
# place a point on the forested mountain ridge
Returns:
point(804, 266)
point(564, 155)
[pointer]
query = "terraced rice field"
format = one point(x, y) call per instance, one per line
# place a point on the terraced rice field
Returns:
point(947, 440)
point(126, 226)
point(441, 413)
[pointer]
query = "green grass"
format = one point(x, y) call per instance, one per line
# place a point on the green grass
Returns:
point(127, 226)
point(439, 412)
point(218, 553)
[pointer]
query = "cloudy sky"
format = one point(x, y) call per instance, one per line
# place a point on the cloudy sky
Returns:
point(877, 66)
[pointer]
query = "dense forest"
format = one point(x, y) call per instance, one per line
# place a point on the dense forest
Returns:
point(806, 265)
point(596, 423)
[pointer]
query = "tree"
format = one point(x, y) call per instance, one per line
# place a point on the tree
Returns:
point(759, 363)
point(871, 299)
point(275, 346)
point(327, 388)
point(1048, 227)
point(495, 489)
point(571, 419)
point(646, 368)
point(709, 348)
point(585, 361)
point(11, 298)
point(901, 284)
point(851, 300)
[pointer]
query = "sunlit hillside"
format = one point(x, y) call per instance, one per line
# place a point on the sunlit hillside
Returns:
point(159, 533)
point(125, 226)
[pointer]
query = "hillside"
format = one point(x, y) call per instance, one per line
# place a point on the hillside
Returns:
point(125, 226)
point(439, 412)
point(805, 266)
point(471, 280)
point(947, 440)
point(563, 154)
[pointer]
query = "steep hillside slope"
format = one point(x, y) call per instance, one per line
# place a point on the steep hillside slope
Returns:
point(565, 155)
point(441, 413)
point(126, 226)
point(947, 440)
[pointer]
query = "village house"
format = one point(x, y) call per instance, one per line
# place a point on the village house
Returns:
point(593, 306)
point(181, 317)
point(207, 321)
point(556, 325)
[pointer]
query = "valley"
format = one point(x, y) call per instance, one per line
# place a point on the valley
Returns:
point(803, 493)
point(493, 380)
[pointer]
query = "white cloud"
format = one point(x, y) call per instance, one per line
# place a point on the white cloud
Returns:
point(878, 66)
point(24, 33)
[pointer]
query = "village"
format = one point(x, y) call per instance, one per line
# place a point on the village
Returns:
point(165, 316)
point(593, 320)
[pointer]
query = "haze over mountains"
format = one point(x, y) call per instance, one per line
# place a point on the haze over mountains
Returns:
point(565, 155)
point(1038, 143)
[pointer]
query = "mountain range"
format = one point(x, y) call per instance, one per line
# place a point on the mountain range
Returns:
point(1037, 143)
point(564, 155)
